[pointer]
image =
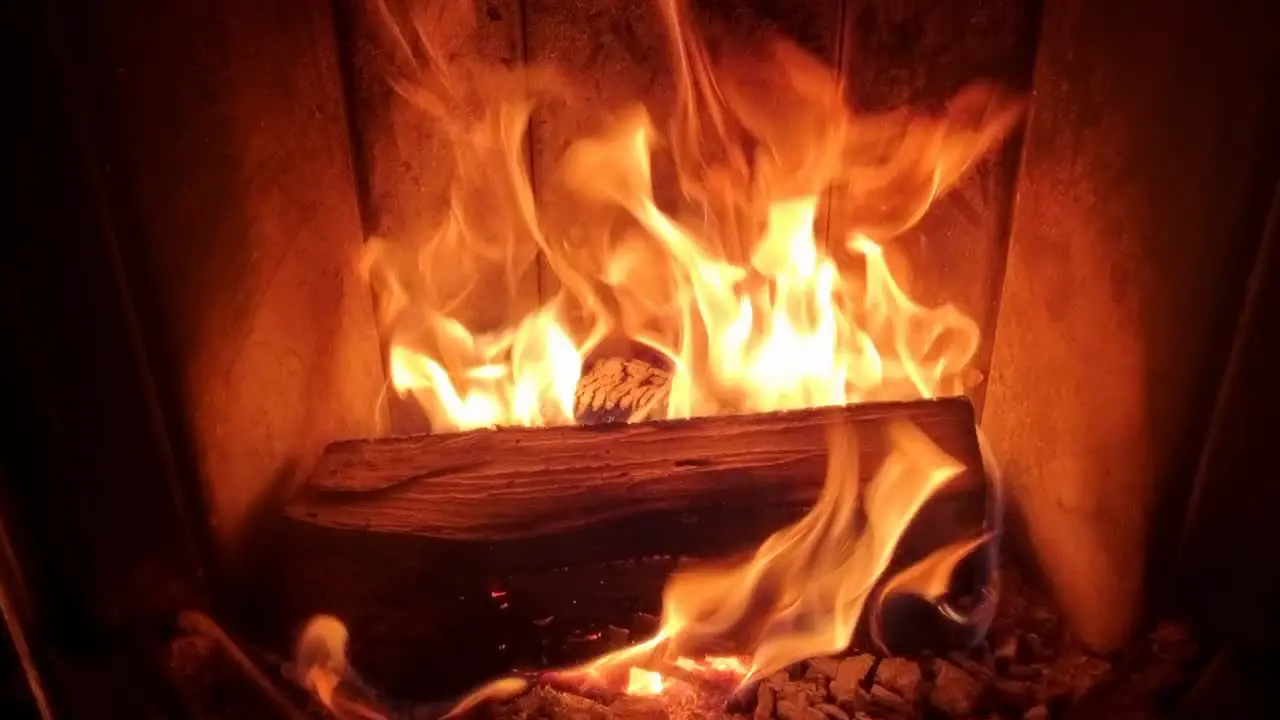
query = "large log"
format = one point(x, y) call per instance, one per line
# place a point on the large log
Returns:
point(526, 482)
point(500, 546)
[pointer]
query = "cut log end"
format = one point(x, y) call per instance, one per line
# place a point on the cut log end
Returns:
point(630, 386)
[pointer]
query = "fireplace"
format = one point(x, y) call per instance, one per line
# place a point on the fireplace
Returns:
point(220, 399)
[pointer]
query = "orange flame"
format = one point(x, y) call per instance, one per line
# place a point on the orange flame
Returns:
point(802, 593)
point(733, 285)
point(643, 682)
point(728, 280)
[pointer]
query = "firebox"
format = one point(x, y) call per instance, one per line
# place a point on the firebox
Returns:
point(591, 358)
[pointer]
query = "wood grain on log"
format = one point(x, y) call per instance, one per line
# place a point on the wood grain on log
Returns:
point(525, 482)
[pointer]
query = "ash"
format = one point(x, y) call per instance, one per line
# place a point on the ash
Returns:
point(1029, 667)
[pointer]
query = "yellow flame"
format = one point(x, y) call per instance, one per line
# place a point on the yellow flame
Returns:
point(802, 593)
point(643, 682)
point(730, 276)
point(733, 284)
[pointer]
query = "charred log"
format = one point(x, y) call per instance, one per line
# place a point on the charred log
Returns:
point(515, 483)
point(480, 544)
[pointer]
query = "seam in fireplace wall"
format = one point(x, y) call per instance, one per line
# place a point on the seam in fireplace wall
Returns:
point(1014, 154)
point(105, 524)
point(343, 14)
point(541, 270)
point(840, 53)
point(1227, 514)
point(1250, 319)
point(1175, 509)
point(81, 103)
point(1249, 323)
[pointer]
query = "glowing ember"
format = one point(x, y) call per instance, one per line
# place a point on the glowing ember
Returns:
point(726, 665)
point(643, 682)
point(801, 594)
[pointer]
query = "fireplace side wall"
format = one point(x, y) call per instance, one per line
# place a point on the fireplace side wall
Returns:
point(221, 128)
point(920, 53)
point(1133, 233)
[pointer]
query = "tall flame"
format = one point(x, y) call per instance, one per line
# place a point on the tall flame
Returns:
point(732, 284)
point(723, 272)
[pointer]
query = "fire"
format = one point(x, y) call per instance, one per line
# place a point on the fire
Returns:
point(643, 682)
point(802, 593)
point(731, 280)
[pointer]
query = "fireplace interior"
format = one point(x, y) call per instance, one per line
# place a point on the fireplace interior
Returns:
point(279, 268)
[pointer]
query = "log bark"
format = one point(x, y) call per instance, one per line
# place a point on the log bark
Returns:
point(527, 482)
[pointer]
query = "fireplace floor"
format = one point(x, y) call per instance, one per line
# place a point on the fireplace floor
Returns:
point(1029, 667)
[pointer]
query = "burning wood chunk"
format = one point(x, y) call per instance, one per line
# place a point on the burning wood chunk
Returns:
point(1012, 695)
point(544, 702)
point(849, 676)
point(900, 675)
point(954, 692)
point(832, 711)
point(904, 689)
point(976, 670)
point(827, 667)
point(875, 702)
point(1039, 712)
point(643, 624)
point(788, 710)
point(1006, 649)
point(1069, 682)
point(798, 697)
point(638, 708)
point(617, 637)
point(1029, 648)
point(765, 702)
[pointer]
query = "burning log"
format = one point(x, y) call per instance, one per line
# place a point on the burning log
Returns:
point(515, 483)
point(491, 542)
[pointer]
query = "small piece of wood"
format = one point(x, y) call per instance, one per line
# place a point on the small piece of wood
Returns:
point(517, 483)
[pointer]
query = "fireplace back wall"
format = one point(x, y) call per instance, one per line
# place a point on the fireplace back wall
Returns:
point(245, 148)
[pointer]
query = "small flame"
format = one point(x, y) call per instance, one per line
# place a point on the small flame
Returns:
point(644, 682)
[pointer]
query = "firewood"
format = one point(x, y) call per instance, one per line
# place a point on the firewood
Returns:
point(514, 483)
point(488, 542)
point(624, 381)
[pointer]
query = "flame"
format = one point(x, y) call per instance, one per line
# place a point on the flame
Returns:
point(724, 273)
point(802, 593)
point(644, 682)
point(728, 280)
